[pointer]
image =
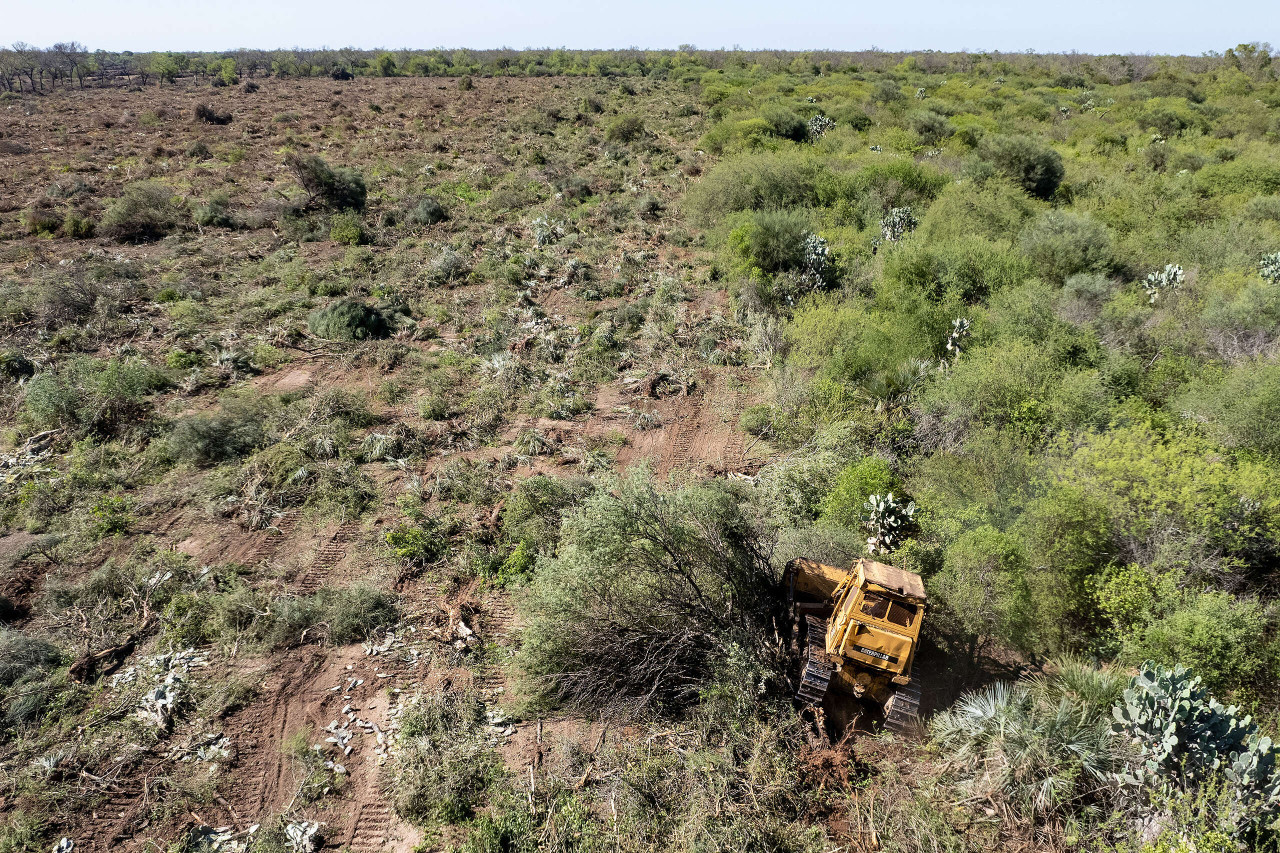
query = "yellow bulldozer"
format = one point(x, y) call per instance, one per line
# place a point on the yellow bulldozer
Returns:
point(858, 630)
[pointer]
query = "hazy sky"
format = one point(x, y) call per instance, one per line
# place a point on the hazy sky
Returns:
point(1093, 26)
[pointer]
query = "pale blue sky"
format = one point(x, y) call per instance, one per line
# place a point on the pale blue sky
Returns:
point(1092, 26)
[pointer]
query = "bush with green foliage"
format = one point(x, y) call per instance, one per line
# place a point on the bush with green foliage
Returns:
point(337, 189)
point(237, 430)
point(419, 544)
point(428, 211)
point(648, 593)
point(1061, 244)
point(214, 212)
point(346, 228)
point(845, 503)
point(625, 129)
point(92, 396)
point(983, 583)
point(1240, 406)
point(146, 210)
point(1031, 164)
point(348, 320)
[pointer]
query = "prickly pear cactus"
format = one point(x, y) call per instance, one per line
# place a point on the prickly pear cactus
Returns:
point(1180, 727)
point(1186, 737)
point(1269, 268)
point(887, 521)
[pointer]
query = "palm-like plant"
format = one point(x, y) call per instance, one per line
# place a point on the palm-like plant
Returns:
point(1042, 746)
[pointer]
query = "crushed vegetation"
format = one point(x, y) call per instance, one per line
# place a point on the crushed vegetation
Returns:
point(436, 491)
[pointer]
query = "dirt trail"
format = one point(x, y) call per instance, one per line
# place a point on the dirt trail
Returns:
point(699, 431)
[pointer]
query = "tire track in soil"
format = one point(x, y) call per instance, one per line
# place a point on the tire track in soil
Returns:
point(266, 547)
point(329, 555)
point(116, 818)
point(371, 831)
point(260, 731)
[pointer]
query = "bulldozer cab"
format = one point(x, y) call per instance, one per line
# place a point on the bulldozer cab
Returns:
point(876, 617)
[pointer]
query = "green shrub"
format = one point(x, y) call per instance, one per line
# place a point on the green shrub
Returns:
point(337, 189)
point(1060, 245)
point(41, 221)
point(1263, 208)
point(983, 586)
point(757, 182)
point(1215, 634)
point(419, 544)
point(348, 320)
point(931, 127)
point(785, 123)
point(1026, 161)
point(625, 129)
point(111, 516)
point(427, 211)
point(996, 210)
point(887, 91)
point(532, 511)
point(1242, 407)
point(968, 269)
point(78, 226)
point(235, 431)
point(89, 395)
point(1239, 177)
point(845, 504)
point(770, 242)
point(638, 569)
point(852, 115)
point(1018, 386)
point(15, 366)
point(355, 613)
point(146, 210)
point(346, 228)
point(215, 212)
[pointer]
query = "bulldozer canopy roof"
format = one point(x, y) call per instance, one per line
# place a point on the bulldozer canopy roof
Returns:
point(904, 582)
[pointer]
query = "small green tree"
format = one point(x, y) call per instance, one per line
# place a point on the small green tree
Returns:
point(983, 585)
point(227, 72)
point(1036, 167)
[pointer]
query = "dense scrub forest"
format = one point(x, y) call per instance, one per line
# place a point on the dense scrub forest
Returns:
point(401, 450)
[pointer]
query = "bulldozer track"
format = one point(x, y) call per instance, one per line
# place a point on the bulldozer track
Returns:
point(112, 819)
point(735, 448)
point(500, 619)
point(816, 676)
point(329, 555)
point(270, 542)
point(372, 828)
point(902, 710)
point(682, 445)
